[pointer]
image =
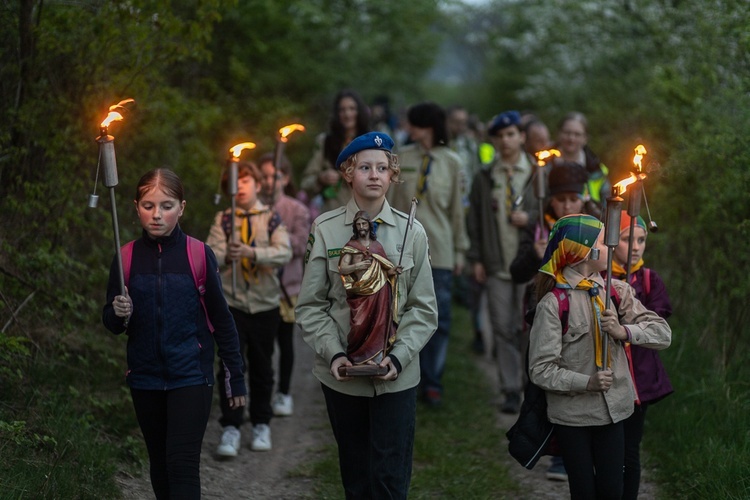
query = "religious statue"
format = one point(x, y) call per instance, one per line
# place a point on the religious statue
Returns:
point(370, 280)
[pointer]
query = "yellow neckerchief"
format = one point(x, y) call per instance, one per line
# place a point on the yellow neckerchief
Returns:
point(597, 306)
point(620, 271)
point(247, 236)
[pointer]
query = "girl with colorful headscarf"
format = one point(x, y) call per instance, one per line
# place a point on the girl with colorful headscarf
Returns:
point(649, 375)
point(588, 398)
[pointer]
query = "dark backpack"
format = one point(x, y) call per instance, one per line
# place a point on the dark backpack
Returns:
point(532, 436)
point(196, 252)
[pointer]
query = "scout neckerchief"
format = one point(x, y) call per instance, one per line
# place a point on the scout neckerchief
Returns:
point(424, 172)
point(597, 306)
point(620, 272)
point(247, 236)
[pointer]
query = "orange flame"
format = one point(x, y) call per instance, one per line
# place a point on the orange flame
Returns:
point(238, 148)
point(640, 152)
point(284, 132)
point(622, 186)
point(544, 155)
point(114, 115)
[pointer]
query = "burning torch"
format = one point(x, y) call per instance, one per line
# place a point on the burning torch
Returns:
point(634, 201)
point(540, 184)
point(232, 167)
point(612, 239)
point(107, 158)
point(284, 133)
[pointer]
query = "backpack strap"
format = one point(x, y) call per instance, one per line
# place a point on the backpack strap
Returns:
point(196, 252)
point(563, 307)
point(126, 251)
point(226, 223)
point(647, 280)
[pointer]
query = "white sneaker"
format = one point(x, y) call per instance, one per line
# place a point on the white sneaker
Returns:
point(282, 405)
point(230, 442)
point(261, 438)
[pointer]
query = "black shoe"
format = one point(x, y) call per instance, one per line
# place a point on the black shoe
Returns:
point(512, 403)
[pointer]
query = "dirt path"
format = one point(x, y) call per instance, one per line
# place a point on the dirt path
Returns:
point(260, 475)
point(298, 439)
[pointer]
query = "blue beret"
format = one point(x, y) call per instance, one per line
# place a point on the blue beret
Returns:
point(503, 120)
point(370, 140)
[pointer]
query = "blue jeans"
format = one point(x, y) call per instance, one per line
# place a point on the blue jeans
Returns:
point(375, 438)
point(432, 357)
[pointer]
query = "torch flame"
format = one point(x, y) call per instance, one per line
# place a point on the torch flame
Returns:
point(544, 155)
point(640, 152)
point(284, 132)
point(237, 149)
point(622, 186)
point(113, 116)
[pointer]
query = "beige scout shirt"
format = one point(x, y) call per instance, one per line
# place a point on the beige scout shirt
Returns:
point(312, 187)
point(323, 313)
point(440, 209)
point(272, 251)
point(509, 234)
point(562, 364)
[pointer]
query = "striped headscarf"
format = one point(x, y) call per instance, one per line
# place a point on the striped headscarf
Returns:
point(570, 242)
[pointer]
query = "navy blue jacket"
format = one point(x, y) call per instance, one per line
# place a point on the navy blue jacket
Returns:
point(169, 343)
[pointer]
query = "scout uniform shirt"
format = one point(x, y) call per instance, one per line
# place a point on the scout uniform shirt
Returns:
point(439, 193)
point(503, 196)
point(257, 290)
point(324, 315)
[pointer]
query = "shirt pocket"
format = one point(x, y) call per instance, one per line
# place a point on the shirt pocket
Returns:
point(577, 347)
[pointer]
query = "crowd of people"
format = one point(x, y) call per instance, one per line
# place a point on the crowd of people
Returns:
point(363, 262)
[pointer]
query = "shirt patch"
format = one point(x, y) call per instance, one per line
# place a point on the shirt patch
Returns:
point(334, 253)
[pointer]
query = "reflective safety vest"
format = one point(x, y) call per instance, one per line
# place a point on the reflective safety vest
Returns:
point(595, 183)
point(486, 153)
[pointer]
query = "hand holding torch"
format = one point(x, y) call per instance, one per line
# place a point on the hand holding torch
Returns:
point(232, 167)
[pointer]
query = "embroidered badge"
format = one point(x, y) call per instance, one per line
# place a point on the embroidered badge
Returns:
point(334, 253)
point(378, 141)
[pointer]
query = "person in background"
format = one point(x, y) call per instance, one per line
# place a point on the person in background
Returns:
point(171, 385)
point(649, 375)
point(296, 217)
point(572, 141)
point(589, 395)
point(321, 181)
point(431, 172)
point(259, 247)
point(496, 222)
point(537, 136)
point(373, 418)
point(566, 188)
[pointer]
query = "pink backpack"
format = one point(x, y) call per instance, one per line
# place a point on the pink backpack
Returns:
point(196, 253)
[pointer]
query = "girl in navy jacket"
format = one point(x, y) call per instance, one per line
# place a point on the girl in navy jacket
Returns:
point(170, 346)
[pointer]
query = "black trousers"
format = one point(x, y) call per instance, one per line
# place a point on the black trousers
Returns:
point(633, 435)
point(257, 336)
point(375, 437)
point(285, 339)
point(173, 424)
point(593, 457)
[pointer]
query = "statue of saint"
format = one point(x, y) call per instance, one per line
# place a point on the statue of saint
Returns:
point(370, 280)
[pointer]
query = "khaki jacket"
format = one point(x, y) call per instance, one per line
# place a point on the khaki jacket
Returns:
point(272, 251)
point(441, 209)
point(562, 364)
point(323, 313)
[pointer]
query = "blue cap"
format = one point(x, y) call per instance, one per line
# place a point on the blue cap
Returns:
point(370, 140)
point(506, 119)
